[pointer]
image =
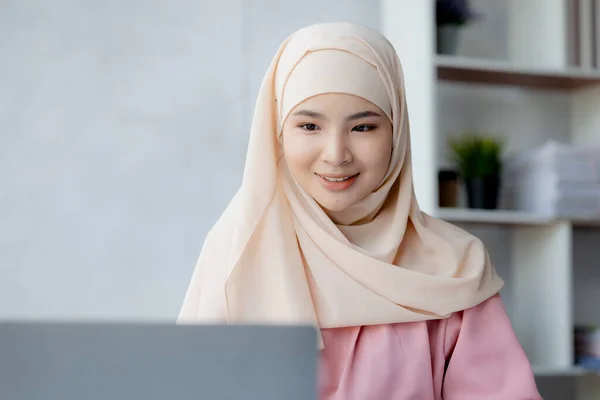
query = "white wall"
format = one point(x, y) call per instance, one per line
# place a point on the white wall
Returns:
point(124, 134)
point(122, 140)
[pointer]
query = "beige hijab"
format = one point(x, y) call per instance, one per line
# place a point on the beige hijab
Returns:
point(274, 256)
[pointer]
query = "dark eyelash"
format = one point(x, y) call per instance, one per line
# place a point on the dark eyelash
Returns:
point(367, 126)
point(304, 126)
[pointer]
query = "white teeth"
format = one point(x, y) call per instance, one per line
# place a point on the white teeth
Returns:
point(335, 179)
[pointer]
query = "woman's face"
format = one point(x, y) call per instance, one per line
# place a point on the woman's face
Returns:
point(338, 148)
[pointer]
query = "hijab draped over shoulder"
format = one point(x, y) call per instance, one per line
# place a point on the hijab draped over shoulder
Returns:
point(276, 257)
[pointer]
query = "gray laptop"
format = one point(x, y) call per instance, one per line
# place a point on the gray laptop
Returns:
point(98, 361)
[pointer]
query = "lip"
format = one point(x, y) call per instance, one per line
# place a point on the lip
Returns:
point(337, 186)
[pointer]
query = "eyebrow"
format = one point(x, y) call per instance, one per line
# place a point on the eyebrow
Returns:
point(308, 113)
point(363, 114)
point(358, 115)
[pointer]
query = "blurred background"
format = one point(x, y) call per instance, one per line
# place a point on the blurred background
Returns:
point(125, 124)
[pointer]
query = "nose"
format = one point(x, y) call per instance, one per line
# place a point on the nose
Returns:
point(337, 149)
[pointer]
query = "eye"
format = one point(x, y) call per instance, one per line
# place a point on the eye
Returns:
point(309, 127)
point(364, 128)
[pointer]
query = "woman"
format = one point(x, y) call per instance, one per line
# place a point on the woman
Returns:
point(326, 230)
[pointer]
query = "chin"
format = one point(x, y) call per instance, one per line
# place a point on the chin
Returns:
point(333, 209)
point(334, 206)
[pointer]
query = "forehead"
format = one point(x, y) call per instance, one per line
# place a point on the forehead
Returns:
point(336, 103)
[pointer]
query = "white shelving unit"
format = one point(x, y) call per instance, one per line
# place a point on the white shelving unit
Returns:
point(490, 72)
point(500, 217)
point(506, 217)
point(541, 267)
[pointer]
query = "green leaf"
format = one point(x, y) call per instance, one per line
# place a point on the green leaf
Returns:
point(476, 155)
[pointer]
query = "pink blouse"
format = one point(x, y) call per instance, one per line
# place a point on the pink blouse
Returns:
point(473, 355)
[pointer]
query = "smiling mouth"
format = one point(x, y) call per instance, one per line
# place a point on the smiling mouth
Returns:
point(337, 183)
point(336, 178)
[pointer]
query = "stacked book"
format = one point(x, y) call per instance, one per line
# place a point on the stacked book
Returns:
point(587, 347)
point(556, 180)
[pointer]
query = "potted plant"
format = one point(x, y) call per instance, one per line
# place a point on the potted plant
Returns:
point(451, 16)
point(479, 162)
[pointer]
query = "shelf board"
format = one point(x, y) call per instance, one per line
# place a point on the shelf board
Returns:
point(586, 223)
point(507, 217)
point(541, 371)
point(468, 70)
point(492, 217)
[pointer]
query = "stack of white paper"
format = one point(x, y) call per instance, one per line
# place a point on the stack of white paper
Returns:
point(555, 179)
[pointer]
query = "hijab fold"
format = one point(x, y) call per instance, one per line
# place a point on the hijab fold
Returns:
point(275, 256)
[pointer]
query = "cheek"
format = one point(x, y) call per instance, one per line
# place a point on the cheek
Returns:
point(378, 157)
point(298, 153)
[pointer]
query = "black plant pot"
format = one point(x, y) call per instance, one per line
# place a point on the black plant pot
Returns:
point(483, 192)
point(447, 37)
